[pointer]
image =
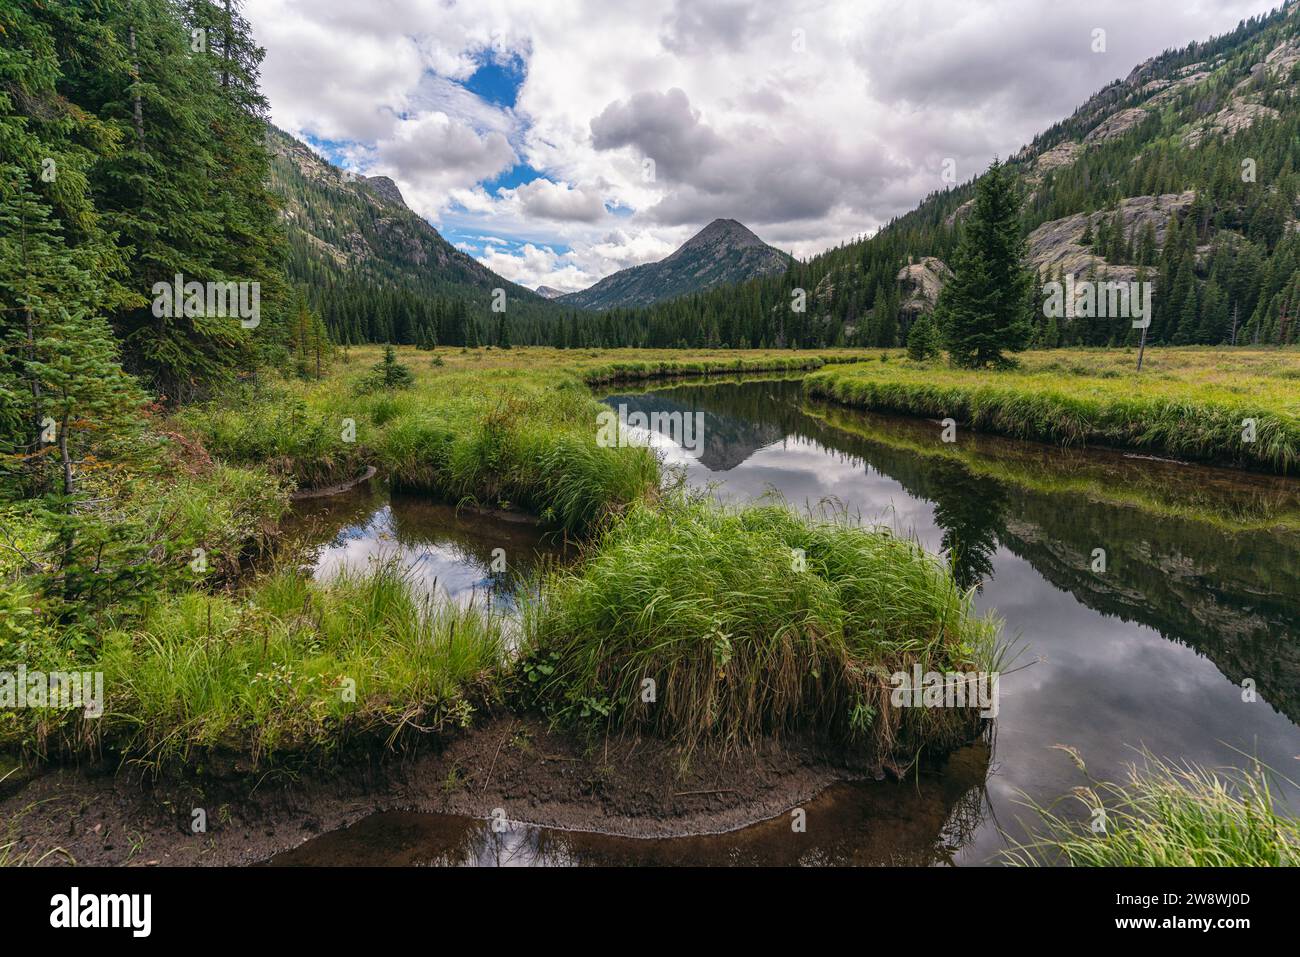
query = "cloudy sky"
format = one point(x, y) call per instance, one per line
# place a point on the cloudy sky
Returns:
point(560, 140)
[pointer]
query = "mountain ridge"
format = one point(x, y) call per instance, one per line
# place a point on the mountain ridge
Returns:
point(722, 253)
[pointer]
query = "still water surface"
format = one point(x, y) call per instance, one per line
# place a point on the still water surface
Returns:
point(1199, 595)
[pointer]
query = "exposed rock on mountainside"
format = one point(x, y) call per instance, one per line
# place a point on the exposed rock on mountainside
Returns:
point(921, 282)
point(1116, 125)
point(1063, 154)
point(722, 252)
point(1236, 116)
point(384, 188)
point(1054, 246)
point(960, 213)
point(548, 292)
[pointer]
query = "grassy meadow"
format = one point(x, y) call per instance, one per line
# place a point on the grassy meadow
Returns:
point(493, 428)
point(741, 640)
point(276, 667)
point(1188, 403)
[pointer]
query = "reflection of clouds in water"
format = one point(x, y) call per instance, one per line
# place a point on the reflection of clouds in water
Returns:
point(1106, 686)
point(806, 473)
point(669, 452)
point(435, 565)
point(1107, 683)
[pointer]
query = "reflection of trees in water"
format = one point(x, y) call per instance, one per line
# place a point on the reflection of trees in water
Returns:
point(1231, 595)
point(741, 418)
point(969, 510)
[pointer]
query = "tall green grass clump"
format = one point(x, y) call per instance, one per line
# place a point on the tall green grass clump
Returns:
point(539, 454)
point(293, 668)
point(277, 429)
point(751, 623)
point(1167, 815)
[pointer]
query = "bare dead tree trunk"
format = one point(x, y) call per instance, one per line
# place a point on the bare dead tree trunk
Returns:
point(1142, 347)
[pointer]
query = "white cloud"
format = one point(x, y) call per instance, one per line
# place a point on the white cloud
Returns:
point(811, 121)
point(559, 201)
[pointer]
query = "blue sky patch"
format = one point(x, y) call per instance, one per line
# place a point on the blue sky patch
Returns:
point(497, 80)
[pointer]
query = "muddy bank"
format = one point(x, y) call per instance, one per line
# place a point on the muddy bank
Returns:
point(620, 787)
point(303, 494)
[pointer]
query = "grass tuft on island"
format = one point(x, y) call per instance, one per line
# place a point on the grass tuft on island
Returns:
point(1186, 403)
point(1167, 815)
point(751, 623)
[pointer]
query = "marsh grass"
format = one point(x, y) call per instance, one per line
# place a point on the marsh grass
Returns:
point(1167, 815)
point(634, 369)
point(1233, 501)
point(488, 427)
point(1187, 403)
point(709, 604)
point(292, 668)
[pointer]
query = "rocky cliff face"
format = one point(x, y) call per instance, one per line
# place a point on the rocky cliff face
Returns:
point(722, 252)
point(1055, 246)
point(361, 227)
point(384, 188)
point(920, 284)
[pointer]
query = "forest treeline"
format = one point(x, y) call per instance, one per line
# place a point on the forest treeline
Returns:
point(134, 149)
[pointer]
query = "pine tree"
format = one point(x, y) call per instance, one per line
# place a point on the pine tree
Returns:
point(982, 310)
point(923, 338)
point(61, 387)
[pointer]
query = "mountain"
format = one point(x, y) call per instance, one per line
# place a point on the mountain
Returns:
point(375, 269)
point(548, 292)
point(1183, 172)
point(722, 253)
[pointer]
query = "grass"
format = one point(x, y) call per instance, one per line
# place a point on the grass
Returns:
point(291, 668)
point(631, 370)
point(260, 670)
point(741, 642)
point(491, 428)
point(1167, 815)
point(1232, 501)
point(1187, 403)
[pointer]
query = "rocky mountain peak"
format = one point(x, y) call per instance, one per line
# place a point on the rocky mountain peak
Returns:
point(384, 188)
point(722, 232)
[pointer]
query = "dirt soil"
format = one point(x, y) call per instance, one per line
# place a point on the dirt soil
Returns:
point(626, 787)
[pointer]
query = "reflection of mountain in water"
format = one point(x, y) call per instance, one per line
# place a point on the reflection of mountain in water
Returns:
point(1230, 594)
point(739, 419)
